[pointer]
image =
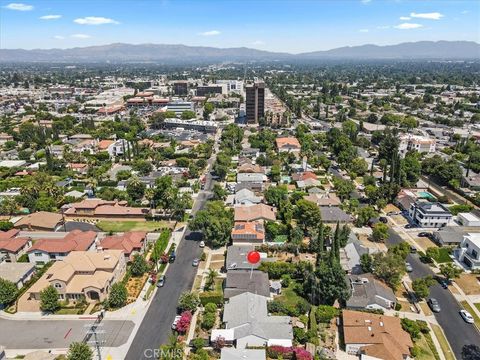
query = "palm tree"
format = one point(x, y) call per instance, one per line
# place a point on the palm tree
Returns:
point(211, 276)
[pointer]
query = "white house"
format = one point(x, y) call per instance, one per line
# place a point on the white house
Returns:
point(468, 219)
point(469, 251)
point(417, 143)
point(429, 215)
point(118, 148)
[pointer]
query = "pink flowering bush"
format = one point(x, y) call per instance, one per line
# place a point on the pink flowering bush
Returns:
point(288, 353)
point(184, 322)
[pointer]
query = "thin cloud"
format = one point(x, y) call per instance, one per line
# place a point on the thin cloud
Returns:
point(408, 26)
point(429, 16)
point(365, 1)
point(95, 20)
point(258, 42)
point(19, 7)
point(210, 33)
point(403, 18)
point(59, 37)
point(465, 12)
point(50, 17)
point(81, 36)
point(363, 30)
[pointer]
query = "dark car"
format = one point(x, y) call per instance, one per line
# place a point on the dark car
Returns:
point(383, 219)
point(443, 282)
point(424, 234)
point(434, 305)
point(410, 226)
point(413, 249)
point(172, 257)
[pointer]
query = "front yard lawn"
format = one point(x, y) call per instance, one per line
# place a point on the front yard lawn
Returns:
point(469, 283)
point(424, 350)
point(122, 226)
point(443, 255)
point(447, 351)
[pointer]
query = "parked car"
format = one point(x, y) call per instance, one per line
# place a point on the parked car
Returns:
point(410, 226)
point(408, 267)
point(413, 249)
point(390, 213)
point(434, 305)
point(443, 282)
point(383, 219)
point(195, 262)
point(202, 244)
point(467, 316)
point(175, 322)
point(161, 281)
point(172, 256)
point(424, 234)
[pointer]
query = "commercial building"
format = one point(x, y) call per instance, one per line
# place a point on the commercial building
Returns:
point(178, 107)
point(199, 125)
point(255, 102)
point(205, 90)
point(234, 86)
point(468, 219)
point(180, 88)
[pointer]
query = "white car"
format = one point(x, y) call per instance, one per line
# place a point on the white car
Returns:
point(467, 316)
point(175, 322)
point(202, 244)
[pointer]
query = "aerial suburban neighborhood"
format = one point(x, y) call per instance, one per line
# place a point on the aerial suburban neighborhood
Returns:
point(181, 202)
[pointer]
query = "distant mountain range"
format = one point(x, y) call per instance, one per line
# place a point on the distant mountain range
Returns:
point(181, 53)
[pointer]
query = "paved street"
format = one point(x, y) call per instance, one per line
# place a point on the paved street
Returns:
point(156, 326)
point(54, 334)
point(457, 331)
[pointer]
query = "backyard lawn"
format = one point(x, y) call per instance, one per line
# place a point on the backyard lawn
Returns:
point(122, 226)
point(289, 297)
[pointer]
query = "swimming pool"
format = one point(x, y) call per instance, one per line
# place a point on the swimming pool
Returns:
point(426, 195)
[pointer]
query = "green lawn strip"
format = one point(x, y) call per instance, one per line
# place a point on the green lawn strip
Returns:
point(477, 306)
point(424, 351)
point(472, 312)
point(122, 226)
point(447, 351)
point(443, 256)
point(431, 345)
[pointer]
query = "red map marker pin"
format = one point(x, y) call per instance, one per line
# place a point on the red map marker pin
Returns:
point(253, 257)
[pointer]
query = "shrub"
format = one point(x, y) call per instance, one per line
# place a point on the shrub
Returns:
point(412, 327)
point(188, 301)
point(398, 307)
point(423, 326)
point(214, 297)
point(184, 322)
point(118, 295)
point(208, 321)
point(325, 313)
point(198, 344)
point(210, 307)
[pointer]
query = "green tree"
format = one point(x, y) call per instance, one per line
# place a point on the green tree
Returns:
point(79, 351)
point(274, 195)
point(380, 232)
point(450, 271)
point(325, 313)
point(136, 188)
point(389, 268)
point(188, 114)
point(307, 214)
point(364, 214)
point(188, 301)
point(366, 262)
point(118, 295)
point(215, 222)
point(139, 265)
point(421, 286)
point(8, 292)
point(207, 110)
point(49, 299)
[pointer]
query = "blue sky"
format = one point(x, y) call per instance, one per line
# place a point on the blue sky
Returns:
point(290, 26)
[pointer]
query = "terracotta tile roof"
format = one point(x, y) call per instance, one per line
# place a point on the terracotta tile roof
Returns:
point(252, 230)
point(126, 242)
point(75, 240)
point(304, 176)
point(13, 245)
point(382, 335)
point(255, 212)
point(43, 219)
point(104, 144)
point(287, 142)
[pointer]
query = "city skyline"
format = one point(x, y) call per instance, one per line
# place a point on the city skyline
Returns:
point(262, 25)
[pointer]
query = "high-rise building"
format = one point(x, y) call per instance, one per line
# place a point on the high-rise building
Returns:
point(255, 102)
point(180, 88)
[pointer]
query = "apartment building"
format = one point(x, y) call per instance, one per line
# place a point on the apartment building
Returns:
point(429, 214)
point(255, 102)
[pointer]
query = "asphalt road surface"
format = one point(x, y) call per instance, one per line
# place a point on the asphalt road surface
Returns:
point(54, 334)
point(457, 331)
point(156, 325)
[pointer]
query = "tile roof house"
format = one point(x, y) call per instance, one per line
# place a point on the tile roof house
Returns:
point(324, 199)
point(248, 232)
point(130, 243)
point(374, 335)
point(255, 212)
point(304, 176)
point(248, 324)
point(11, 246)
point(18, 273)
point(41, 221)
point(250, 168)
point(302, 184)
point(104, 209)
point(83, 274)
point(241, 281)
point(45, 250)
point(369, 293)
point(287, 144)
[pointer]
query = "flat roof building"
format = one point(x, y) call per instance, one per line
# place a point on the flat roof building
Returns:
point(255, 102)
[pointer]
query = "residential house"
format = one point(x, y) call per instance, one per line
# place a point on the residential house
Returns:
point(237, 257)
point(83, 274)
point(18, 273)
point(468, 219)
point(78, 168)
point(247, 197)
point(40, 221)
point(468, 252)
point(450, 235)
point(248, 167)
point(131, 243)
point(370, 293)
point(333, 214)
point(255, 212)
point(302, 184)
point(472, 181)
point(230, 353)
point(246, 177)
point(45, 250)
point(376, 336)
point(118, 148)
point(248, 232)
point(288, 144)
point(241, 281)
point(248, 323)
point(422, 144)
point(99, 208)
point(323, 199)
point(13, 246)
point(429, 214)
point(351, 253)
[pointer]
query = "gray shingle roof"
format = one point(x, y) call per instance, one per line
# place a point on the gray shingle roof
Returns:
point(241, 281)
point(371, 292)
